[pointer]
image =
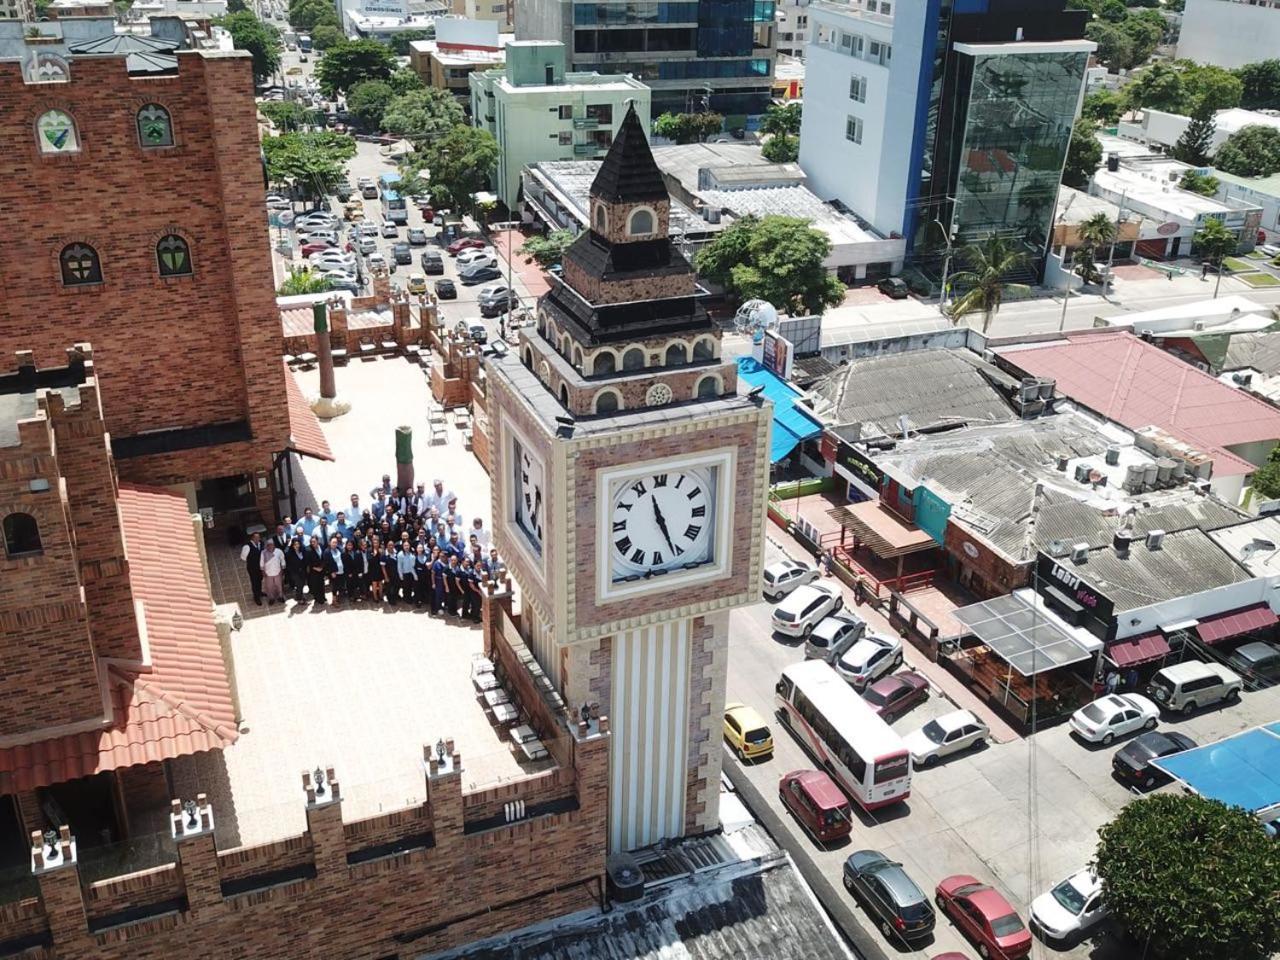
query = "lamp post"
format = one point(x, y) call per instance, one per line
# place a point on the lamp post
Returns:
point(949, 238)
point(1111, 254)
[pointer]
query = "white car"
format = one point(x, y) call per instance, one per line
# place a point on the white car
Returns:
point(316, 221)
point(389, 229)
point(367, 245)
point(1069, 911)
point(275, 202)
point(870, 658)
point(784, 576)
point(487, 257)
point(333, 255)
point(832, 636)
point(323, 236)
point(945, 735)
point(1114, 716)
point(1270, 249)
point(368, 228)
point(797, 615)
point(377, 260)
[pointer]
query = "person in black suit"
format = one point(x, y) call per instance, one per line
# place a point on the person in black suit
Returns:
point(295, 567)
point(390, 574)
point(251, 554)
point(315, 570)
point(282, 536)
point(335, 567)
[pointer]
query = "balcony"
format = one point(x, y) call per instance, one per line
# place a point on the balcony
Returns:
point(585, 149)
point(585, 123)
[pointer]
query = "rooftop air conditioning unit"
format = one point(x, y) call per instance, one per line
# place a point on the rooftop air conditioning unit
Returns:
point(1155, 539)
point(1080, 553)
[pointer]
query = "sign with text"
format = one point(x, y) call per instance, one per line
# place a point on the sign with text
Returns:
point(859, 468)
point(1099, 609)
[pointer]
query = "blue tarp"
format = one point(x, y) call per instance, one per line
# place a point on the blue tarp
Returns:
point(791, 423)
point(1241, 771)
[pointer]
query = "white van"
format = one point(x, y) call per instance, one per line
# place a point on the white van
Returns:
point(1185, 686)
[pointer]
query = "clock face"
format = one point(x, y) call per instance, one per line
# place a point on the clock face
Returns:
point(662, 521)
point(530, 507)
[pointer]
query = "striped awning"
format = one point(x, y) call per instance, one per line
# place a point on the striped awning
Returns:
point(885, 533)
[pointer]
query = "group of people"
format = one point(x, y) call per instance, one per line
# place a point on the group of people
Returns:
point(407, 546)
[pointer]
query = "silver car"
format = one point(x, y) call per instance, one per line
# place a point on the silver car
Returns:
point(832, 636)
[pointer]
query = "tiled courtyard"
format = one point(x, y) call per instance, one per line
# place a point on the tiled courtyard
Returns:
point(358, 688)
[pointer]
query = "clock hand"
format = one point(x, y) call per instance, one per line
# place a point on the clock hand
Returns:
point(662, 524)
point(537, 504)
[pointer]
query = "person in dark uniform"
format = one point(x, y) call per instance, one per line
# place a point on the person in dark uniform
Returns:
point(471, 591)
point(295, 568)
point(453, 586)
point(282, 536)
point(422, 576)
point(351, 563)
point(390, 574)
point(315, 570)
point(251, 554)
point(336, 569)
point(438, 571)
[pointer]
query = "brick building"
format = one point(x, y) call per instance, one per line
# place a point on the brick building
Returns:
point(134, 203)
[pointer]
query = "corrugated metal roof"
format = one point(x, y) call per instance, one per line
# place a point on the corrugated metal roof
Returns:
point(1261, 351)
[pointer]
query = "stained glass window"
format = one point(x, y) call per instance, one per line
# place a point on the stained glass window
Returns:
point(174, 256)
point(80, 265)
point(155, 129)
point(56, 133)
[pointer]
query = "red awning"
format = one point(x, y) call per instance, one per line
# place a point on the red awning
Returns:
point(1140, 649)
point(1235, 622)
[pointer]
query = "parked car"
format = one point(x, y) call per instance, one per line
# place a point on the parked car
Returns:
point(1114, 715)
point(314, 246)
point(465, 243)
point(782, 577)
point(432, 262)
point(833, 636)
point(945, 735)
point(478, 274)
point(344, 281)
point(323, 236)
point(275, 202)
point(871, 656)
point(746, 732)
point(417, 236)
point(402, 253)
point(367, 245)
point(495, 299)
point(318, 219)
point(984, 916)
point(1132, 762)
point(377, 260)
point(344, 192)
point(352, 210)
point(894, 695)
point(817, 803)
point(799, 613)
point(1068, 912)
point(369, 192)
point(333, 258)
point(894, 287)
point(445, 290)
point(899, 907)
point(486, 255)
point(365, 182)
point(1193, 683)
point(389, 229)
point(368, 229)
point(1257, 661)
point(417, 283)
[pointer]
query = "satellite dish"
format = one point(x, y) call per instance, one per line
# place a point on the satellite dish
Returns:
point(754, 318)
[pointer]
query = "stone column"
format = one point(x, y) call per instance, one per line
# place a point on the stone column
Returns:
point(404, 458)
point(444, 791)
point(54, 864)
point(326, 405)
point(324, 824)
point(192, 828)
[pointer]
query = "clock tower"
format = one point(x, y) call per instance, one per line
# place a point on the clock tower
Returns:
point(630, 484)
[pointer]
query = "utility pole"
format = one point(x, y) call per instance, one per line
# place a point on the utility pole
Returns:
point(948, 237)
point(1111, 254)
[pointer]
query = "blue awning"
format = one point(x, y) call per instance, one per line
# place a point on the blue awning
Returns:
point(1241, 771)
point(792, 423)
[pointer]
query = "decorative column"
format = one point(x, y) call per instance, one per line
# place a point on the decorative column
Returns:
point(324, 824)
point(326, 406)
point(191, 824)
point(53, 861)
point(404, 457)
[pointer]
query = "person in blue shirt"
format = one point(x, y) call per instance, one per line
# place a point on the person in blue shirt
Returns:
point(379, 506)
point(408, 573)
point(422, 576)
point(326, 513)
point(390, 574)
point(336, 569)
point(342, 528)
point(307, 525)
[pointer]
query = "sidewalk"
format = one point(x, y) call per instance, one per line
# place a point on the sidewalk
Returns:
point(509, 244)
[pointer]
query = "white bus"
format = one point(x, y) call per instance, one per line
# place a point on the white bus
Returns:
point(849, 741)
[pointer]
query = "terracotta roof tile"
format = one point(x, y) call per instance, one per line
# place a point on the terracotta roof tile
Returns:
point(305, 435)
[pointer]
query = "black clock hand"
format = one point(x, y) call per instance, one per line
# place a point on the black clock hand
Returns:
point(537, 504)
point(662, 524)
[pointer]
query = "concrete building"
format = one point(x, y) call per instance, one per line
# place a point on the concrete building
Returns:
point(926, 114)
point(460, 47)
point(1263, 192)
point(792, 18)
point(501, 12)
point(537, 111)
point(1160, 129)
point(380, 27)
point(692, 55)
point(1229, 33)
point(22, 10)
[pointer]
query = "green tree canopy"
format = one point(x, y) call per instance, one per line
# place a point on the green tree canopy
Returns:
point(285, 114)
point(406, 80)
point(368, 100)
point(781, 148)
point(1115, 49)
point(1214, 242)
point(1096, 232)
point(778, 259)
point(1200, 183)
point(1159, 87)
point(687, 127)
point(1210, 89)
point(302, 280)
point(986, 281)
point(549, 249)
point(325, 36)
point(1103, 106)
point(780, 119)
point(236, 6)
point(315, 161)
point(348, 63)
point(460, 164)
point(259, 39)
point(1260, 85)
point(1196, 143)
point(1192, 877)
point(423, 114)
point(1084, 155)
point(1252, 151)
point(400, 41)
point(306, 15)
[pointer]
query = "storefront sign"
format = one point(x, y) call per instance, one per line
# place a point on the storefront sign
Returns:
point(969, 549)
point(1058, 580)
point(777, 354)
point(859, 468)
point(1168, 229)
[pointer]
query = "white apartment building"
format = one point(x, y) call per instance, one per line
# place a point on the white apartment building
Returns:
point(792, 18)
point(1229, 33)
point(1157, 128)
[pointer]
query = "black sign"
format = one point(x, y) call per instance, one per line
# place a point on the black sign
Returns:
point(1056, 582)
point(859, 466)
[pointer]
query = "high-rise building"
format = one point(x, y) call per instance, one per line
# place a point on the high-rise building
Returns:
point(1229, 33)
point(693, 54)
point(944, 118)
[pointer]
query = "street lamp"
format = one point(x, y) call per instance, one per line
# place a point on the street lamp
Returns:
point(948, 238)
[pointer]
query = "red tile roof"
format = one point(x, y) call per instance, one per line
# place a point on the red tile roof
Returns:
point(1235, 622)
point(1137, 384)
point(183, 704)
point(305, 435)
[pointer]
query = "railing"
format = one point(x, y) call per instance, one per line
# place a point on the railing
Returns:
point(17, 883)
point(126, 856)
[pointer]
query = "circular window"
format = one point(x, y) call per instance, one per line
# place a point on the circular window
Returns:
point(658, 395)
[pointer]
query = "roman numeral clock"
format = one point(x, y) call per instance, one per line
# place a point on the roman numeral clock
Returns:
point(629, 489)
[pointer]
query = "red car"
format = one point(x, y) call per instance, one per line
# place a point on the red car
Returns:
point(894, 695)
point(314, 246)
point(985, 917)
point(815, 800)
point(465, 243)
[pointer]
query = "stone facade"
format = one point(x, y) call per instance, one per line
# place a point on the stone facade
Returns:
point(708, 675)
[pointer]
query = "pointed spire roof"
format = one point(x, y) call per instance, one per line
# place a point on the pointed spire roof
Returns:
point(629, 173)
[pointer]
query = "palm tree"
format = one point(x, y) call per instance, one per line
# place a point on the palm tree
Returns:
point(1214, 242)
point(989, 263)
point(1097, 231)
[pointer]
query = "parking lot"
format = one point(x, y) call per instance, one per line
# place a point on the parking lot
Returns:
point(1021, 815)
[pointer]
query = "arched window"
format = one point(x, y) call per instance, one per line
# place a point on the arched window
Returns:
point(677, 354)
point(704, 350)
point(565, 343)
point(577, 357)
point(56, 132)
point(155, 128)
point(21, 535)
point(708, 388)
point(174, 256)
point(606, 401)
point(633, 359)
point(528, 358)
point(80, 265)
point(601, 219)
point(542, 324)
point(564, 395)
point(641, 223)
point(605, 362)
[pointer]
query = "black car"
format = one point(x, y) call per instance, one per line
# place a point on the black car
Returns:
point(1258, 662)
point(1132, 762)
point(401, 252)
point(480, 275)
point(445, 290)
point(893, 287)
point(893, 900)
point(432, 262)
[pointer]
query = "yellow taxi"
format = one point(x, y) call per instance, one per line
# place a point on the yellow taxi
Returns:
point(417, 283)
point(746, 732)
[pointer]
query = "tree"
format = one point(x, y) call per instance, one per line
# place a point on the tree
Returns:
point(1145, 30)
point(286, 115)
point(687, 127)
point(346, 64)
point(236, 6)
point(367, 101)
point(781, 148)
point(782, 120)
point(549, 249)
point(1103, 106)
point(302, 280)
point(1084, 156)
point(1201, 183)
point(460, 163)
point(325, 36)
point(1211, 88)
point(1260, 85)
point(1115, 49)
point(306, 15)
point(1192, 877)
point(778, 259)
point(984, 283)
point(1096, 232)
point(422, 114)
point(1252, 151)
point(260, 40)
point(1266, 479)
point(1214, 243)
point(1196, 142)
point(314, 161)
point(406, 80)
point(1159, 87)
point(400, 41)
